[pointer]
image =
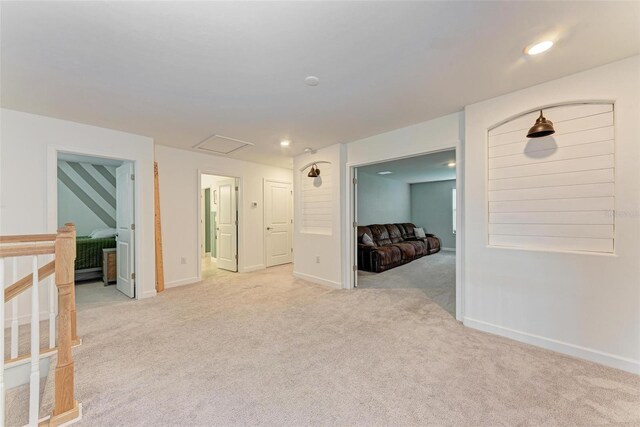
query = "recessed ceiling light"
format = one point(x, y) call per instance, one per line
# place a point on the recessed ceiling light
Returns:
point(312, 81)
point(451, 164)
point(539, 47)
point(285, 143)
point(385, 173)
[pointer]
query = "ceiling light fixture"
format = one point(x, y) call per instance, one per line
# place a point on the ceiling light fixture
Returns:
point(314, 172)
point(539, 47)
point(285, 143)
point(451, 164)
point(385, 173)
point(312, 81)
point(541, 128)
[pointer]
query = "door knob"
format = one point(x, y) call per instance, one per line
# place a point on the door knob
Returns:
point(268, 228)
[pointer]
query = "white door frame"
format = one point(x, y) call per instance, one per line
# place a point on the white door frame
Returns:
point(350, 243)
point(52, 197)
point(264, 231)
point(199, 216)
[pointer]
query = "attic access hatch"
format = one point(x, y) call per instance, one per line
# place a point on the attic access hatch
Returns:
point(219, 144)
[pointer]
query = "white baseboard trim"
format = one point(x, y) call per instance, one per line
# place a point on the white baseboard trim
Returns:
point(448, 249)
point(623, 363)
point(181, 282)
point(251, 268)
point(317, 280)
point(148, 294)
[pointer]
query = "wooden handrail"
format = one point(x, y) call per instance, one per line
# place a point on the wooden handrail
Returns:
point(26, 238)
point(63, 245)
point(25, 283)
point(26, 249)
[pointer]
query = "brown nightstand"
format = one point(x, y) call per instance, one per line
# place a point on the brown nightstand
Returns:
point(109, 265)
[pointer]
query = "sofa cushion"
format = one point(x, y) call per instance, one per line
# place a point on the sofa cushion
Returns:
point(420, 247)
point(388, 255)
point(362, 230)
point(408, 230)
point(380, 234)
point(408, 250)
point(419, 232)
point(394, 233)
point(366, 240)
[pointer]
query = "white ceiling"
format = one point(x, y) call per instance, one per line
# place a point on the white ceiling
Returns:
point(413, 170)
point(182, 71)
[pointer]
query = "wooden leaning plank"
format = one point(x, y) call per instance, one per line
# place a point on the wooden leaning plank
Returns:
point(158, 232)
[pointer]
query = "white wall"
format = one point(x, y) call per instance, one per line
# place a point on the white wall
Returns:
point(432, 209)
point(382, 200)
point(318, 257)
point(434, 135)
point(178, 172)
point(586, 305)
point(28, 182)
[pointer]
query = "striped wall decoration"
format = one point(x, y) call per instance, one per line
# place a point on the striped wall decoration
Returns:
point(556, 192)
point(94, 186)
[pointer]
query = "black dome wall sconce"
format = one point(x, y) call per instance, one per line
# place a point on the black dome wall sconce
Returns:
point(314, 172)
point(541, 128)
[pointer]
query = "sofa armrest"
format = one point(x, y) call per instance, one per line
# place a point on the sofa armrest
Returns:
point(365, 255)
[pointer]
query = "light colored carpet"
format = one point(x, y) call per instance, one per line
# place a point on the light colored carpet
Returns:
point(267, 349)
point(434, 275)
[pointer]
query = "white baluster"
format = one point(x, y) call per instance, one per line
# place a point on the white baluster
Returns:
point(15, 332)
point(2, 344)
point(34, 383)
point(53, 292)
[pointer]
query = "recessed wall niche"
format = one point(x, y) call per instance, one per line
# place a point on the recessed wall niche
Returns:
point(555, 192)
point(317, 199)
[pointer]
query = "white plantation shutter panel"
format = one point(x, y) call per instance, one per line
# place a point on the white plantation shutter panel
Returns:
point(557, 192)
point(317, 201)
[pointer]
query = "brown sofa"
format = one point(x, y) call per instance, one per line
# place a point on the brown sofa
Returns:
point(393, 245)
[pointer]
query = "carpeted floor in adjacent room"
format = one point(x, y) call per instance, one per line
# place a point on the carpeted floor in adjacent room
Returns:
point(267, 349)
point(433, 275)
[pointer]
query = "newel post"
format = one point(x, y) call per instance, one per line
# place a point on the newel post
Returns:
point(66, 407)
point(74, 322)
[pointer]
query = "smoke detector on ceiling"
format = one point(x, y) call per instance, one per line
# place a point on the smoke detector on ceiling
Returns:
point(312, 81)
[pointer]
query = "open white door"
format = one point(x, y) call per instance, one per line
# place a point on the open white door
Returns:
point(227, 228)
point(278, 220)
point(125, 224)
point(355, 227)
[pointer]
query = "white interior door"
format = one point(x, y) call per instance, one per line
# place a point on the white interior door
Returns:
point(227, 228)
point(201, 225)
point(278, 220)
point(355, 227)
point(125, 264)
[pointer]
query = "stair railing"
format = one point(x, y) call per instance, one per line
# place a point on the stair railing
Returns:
point(63, 248)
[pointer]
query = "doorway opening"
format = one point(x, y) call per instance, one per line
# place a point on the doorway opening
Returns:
point(218, 225)
point(406, 223)
point(97, 195)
